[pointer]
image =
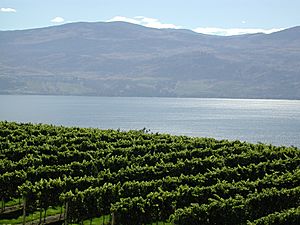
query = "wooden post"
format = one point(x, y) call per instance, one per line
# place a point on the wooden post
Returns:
point(60, 212)
point(66, 213)
point(41, 212)
point(45, 213)
point(113, 219)
point(24, 210)
point(2, 204)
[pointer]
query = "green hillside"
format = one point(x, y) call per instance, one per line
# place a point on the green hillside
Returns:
point(137, 177)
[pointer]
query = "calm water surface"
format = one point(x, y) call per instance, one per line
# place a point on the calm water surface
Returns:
point(268, 121)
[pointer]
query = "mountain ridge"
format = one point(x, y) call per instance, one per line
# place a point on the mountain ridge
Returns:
point(122, 59)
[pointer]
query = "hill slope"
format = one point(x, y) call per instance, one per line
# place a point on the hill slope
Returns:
point(122, 59)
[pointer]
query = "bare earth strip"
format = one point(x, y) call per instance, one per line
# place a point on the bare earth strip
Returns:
point(49, 220)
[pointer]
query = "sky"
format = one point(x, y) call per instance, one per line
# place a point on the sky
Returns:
point(220, 17)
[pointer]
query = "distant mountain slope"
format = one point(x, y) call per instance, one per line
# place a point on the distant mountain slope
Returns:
point(122, 59)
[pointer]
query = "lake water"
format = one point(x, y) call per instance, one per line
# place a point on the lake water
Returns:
point(268, 121)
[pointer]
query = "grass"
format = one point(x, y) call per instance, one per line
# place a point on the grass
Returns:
point(12, 202)
point(99, 221)
point(33, 216)
point(161, 223)
point(96, 221)
point(56, 211)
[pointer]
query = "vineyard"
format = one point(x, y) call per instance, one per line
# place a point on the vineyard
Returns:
point(93, 176)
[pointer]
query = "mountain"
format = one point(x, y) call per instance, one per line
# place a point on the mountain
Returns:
point(123, 59)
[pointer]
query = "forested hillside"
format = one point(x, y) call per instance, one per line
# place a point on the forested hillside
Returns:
point(139, 177)
point(123, 59)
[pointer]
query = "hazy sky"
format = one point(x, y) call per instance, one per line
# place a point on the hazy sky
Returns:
point(223, 17)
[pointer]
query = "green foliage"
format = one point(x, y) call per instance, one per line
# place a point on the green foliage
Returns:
point(285, 217)
point(142, 178)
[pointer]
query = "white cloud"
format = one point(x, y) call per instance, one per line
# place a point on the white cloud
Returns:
point(144, 21)
point(8, 10)
point(155, 23)
point(58, 19)
point(233, 31)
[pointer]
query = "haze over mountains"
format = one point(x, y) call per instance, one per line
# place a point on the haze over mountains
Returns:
point(123, 59)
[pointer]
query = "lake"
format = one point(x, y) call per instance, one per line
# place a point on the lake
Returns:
point(268, 121)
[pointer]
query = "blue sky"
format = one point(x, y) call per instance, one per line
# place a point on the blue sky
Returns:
point(224, 17)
